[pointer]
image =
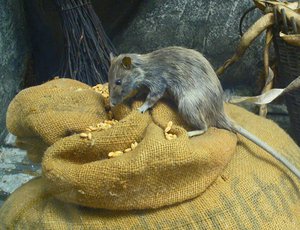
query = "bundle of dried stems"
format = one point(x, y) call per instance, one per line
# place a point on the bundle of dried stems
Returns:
point(87, 47)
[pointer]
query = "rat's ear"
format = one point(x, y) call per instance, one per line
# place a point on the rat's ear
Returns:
point(111, 56)
point(126, 62)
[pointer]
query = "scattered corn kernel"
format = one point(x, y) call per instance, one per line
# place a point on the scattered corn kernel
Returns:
point(127, 150)
point(101, 126)
point(107, 126)
point(106, 95)
point(170, 123)
point(115, 154)
point(93, 142)
point(167, 129)
point(83, 135)
point(120, 153)
point(92, 128)
point(133, 145)
point(89, 136)
point(169, 126)
point(102, 89)
point(169, 136)
point(81, 191)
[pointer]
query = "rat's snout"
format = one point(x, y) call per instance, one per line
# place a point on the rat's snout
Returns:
point(114, 98)
point(113, 101)
point(112, 104)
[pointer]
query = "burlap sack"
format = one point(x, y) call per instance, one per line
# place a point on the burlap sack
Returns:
point(158, 172)
point(39, 116)
point(232, 186)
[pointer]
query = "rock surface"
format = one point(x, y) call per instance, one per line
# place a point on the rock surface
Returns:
point(15, 170)
point(211, 27)
point(14, 54)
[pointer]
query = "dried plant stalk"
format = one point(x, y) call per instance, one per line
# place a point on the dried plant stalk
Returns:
point(295, 84)
point(253, 32)
point(269, 78)
point(262, 4)
point(290, 14)
point(87, 47)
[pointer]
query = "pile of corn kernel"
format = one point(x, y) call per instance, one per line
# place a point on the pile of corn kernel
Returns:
point(107, 124)
point(120, 153)
point(168, 135)
point(102, 89)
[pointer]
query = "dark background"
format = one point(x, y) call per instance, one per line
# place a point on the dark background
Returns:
point(210, 27)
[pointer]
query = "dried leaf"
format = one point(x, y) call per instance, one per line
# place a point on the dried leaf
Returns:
point(290, 5)
point(259, 100)
point(269, 96)
point(261, 4)
point(292, 39)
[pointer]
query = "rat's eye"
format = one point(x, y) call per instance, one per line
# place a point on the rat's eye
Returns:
point(118, 82)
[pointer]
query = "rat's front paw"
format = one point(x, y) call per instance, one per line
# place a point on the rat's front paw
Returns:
point(143, 109)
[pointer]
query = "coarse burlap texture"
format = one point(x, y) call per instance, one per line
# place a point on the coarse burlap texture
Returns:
point(158, 172)
point(206, 182)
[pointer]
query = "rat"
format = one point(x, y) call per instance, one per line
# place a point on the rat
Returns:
point(188, 78)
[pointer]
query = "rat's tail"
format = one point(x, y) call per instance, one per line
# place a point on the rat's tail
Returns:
point(267, 148)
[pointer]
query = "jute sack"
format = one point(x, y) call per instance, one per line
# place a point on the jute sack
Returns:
point(158, 172)
point(39, 116)
point(201, 183)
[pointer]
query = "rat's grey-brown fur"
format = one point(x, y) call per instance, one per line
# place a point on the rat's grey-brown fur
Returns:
point(188, 78)
point(184, 74)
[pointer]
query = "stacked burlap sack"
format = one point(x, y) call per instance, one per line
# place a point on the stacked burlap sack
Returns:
point(214, 181)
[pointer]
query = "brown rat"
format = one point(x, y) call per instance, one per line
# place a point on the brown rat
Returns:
point(187, 77)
